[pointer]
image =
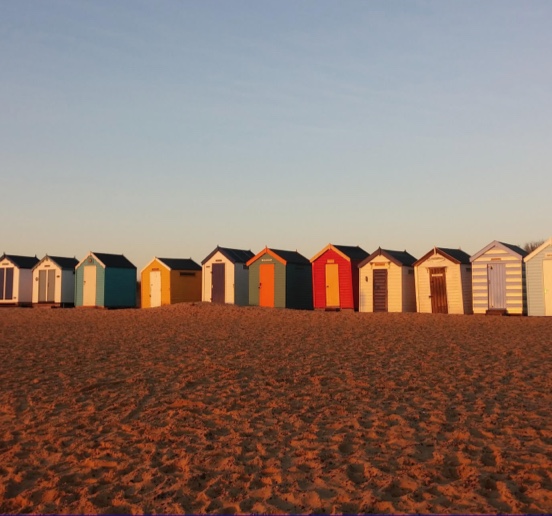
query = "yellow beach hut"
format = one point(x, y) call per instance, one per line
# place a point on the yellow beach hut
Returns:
point(165, 281)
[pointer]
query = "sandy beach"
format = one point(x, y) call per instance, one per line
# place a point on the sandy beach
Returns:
point(196, 408)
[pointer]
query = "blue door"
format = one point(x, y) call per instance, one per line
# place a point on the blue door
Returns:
point(496, 276)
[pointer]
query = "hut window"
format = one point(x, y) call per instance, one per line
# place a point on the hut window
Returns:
point(410, 271)
point(187, 273)
point(468, 269)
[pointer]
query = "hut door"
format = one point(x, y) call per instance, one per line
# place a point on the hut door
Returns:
point(155, 288)
point(218, 283)
point(380, 290)
point(547, 280)
point(438, 290)
point(332, 284)
point(42, 284)
point(496, 277)
point(89, 286)
point(6, 283)
point(266, 284)
point(46, 286)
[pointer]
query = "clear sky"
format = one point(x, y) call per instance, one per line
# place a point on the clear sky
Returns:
point(166, 128)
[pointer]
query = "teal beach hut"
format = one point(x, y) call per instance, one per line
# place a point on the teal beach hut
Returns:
point(105, 281)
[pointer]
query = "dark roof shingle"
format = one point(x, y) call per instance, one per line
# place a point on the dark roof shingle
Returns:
point(63, 262)
point(180, 264)
point(291, 256)
point(457, 254)
point(234, 255)
point(353, 252)
point(117, 261)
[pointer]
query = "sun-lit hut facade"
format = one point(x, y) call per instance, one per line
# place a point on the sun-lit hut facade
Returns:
point(387, 283)
point(281, 279)
point(335, 277)
point(16, 279)
point(165, 281)
point(54, 281)
point(105, 280)
point(226, 276)
point(443, 282)
point(538, 272)
point(498, 279)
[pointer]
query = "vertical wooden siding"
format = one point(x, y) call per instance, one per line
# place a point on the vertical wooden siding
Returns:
point(145, 298)
point(279, 281)
point(535, 282)
point(120, 288)
point(455, 288)
point(394, 285)
point(185, 289)
point(100, 282)
point(515, 284)
point(241, 284)
point(299, 286)
point(229, 278)
point(346, 287)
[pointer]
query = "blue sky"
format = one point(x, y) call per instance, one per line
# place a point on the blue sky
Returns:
point(166, 128)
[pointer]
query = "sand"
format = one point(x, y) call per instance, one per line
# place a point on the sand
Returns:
point(200, 408)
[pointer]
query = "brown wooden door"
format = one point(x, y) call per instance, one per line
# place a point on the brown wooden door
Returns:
point(438, 290)
point(266, 284)
point(380, 290)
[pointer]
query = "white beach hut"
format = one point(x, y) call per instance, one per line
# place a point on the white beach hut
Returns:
point(54, 281)
point(386, 282)
point(443, 282)
point(498, 279)
point(538, 271)
point(226, 276)
point(16, 279)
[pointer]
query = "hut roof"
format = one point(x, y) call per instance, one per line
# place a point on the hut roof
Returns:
point(117, 261)
point(400, 258)
point(506, 247)
point(22, 262)
point(234, 255)
point(454, 255)
point(182, 264)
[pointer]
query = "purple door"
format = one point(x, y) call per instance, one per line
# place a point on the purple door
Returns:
point(218, 283)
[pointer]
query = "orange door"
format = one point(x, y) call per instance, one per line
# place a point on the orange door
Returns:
point(266, 284)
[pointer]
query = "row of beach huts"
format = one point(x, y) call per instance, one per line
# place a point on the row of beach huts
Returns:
point(499, 279)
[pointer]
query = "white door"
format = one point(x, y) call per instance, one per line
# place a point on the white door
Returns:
point(89, 286)
point(155, 288)
point(547, 284)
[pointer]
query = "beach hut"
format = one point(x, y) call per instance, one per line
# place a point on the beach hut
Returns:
point(443, 282)
point(105, 280)
point(165, 281)
point(387, 282)
point(54, 281)
point(16, 279)
point(226, 276)
point(498, 279)
point(335, 277)
point(281, 279)
point(538, 266)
